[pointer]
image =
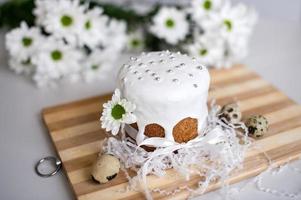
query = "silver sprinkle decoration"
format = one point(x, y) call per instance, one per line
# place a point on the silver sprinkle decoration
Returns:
point(175, 80)
point(133, 58)
point(199, 67)
point(151, 62)
point(169, 71)
point(161, 61)
point(135, 72)
point(147, 70)
point(140, 64)
point(157, 79)
point(195, 85)
point(191, 75)
point(153, 74)
point(139, 78)
point(182, 64)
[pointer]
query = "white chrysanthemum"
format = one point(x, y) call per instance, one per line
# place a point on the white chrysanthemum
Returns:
point(135, 41)
point(200, 9)
point(94, 24)
point(43, 80)
point(235, 52)
point(115, 35)
point(208, 48)
point(97, 65)
point(117, 112)
point(20, 67)
point(56, 59)
point(65, 20)
point(170, 24)
point(42, 8)
point(23, 42)
point(233, 22)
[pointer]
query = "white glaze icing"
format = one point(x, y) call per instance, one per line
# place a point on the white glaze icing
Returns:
point(166, 88)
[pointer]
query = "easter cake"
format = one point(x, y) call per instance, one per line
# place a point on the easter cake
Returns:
point(170, 93)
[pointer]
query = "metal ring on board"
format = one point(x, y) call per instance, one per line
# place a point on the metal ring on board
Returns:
point(53, 160)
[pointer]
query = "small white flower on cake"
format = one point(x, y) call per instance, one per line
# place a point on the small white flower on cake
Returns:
point(135, 41)
point(57, 59)
point(170, 24)
point(97, 65)
point(94, 24)
point(23, 42)
point(65, 20)
point(117, 112)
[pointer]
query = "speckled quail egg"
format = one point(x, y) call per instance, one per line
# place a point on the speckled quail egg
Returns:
point(257, 125)
point(105, 168)
point(231, 113)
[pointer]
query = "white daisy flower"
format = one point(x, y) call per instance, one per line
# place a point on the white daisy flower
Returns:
point(42, 8)
point(170, 24)
point(208, 48)
point(234, 21)
point(97, 65)
point(235, 52)
point(65, 20)
point(20, 67)
point(94, 24)
point(201, 9)
point(135, 41)
point(115, 35)
point(23, 42)
point(57, 59)
point(43, 80)
point(117, 112)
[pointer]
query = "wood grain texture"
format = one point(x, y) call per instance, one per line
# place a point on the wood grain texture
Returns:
point(76, 134)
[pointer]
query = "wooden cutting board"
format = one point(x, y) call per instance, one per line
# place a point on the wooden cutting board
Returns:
point(76, 134)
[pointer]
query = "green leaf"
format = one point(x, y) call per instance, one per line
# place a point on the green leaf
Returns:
point(14, 11)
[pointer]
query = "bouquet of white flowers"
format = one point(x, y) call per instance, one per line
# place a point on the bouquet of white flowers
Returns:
point(75, 40)
point(69, 40)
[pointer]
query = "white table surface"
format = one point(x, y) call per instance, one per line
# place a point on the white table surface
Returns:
point(275, 53)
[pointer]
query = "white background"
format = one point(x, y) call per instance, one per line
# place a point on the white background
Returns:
point(275, 53)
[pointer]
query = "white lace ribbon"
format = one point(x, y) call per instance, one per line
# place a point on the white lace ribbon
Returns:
point(215, 136)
